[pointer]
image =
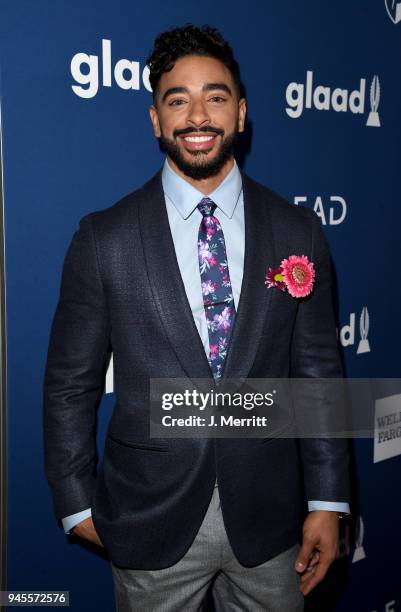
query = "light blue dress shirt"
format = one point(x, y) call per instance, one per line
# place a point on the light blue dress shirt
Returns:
point(184, 218)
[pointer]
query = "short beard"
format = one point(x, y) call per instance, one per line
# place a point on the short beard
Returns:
point(201, 168)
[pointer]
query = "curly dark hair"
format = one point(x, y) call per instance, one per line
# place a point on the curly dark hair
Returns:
point(190, 40)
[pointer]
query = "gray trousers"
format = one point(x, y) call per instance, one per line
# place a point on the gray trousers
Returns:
point(210, 562)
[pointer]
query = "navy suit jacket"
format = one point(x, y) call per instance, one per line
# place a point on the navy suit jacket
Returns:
point(121, 291)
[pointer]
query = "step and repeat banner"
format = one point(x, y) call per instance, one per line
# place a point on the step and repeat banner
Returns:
point(323, 85)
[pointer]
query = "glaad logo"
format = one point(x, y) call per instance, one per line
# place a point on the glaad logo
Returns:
point(109, 382)
point(337, 208)
point(393, 8)
point(347, 332)
point(363, 346)
point(359, 552)
point(300, 96)
point(126, 73)
point(374, 119)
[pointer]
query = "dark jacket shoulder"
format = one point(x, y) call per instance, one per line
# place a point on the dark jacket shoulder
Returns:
point(282, 211)
point(125, 210)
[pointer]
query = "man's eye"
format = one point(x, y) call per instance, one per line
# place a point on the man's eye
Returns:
point(177, 102)
point(217, 99)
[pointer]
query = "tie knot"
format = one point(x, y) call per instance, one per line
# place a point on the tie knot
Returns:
point(207, 207)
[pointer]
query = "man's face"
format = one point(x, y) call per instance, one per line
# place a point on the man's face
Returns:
point(197, 115)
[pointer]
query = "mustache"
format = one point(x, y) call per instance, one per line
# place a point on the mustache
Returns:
point(189, 130)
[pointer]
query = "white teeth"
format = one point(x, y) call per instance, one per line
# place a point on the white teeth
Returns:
point(198, 138)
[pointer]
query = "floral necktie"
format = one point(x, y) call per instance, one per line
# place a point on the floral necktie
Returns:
point(216, 286)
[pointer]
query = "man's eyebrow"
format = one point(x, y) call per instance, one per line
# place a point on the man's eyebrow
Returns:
point(222, 86)
point(206, 87)
point(173, 90)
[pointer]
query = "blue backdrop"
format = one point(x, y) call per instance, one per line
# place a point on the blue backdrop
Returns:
point(66, 155)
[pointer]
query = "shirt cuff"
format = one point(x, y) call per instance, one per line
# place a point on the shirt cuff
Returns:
point(331, 506)
point(73, 519)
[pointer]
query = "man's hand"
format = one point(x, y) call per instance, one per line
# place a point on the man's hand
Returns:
point(319, 548)
point(86, 529)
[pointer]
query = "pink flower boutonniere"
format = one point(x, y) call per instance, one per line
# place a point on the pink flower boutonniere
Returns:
point(295, 275)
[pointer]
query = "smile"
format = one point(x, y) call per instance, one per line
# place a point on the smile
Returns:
point(195, 143)
point(198, 138)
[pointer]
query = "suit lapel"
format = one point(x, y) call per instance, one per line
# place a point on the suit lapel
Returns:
point(255, 298)
point(169, 291)
point(166, 282)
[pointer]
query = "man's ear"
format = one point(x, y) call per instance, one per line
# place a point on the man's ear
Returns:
point(154, 117)
point(241, 114)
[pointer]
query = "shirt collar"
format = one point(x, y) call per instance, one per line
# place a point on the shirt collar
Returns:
point(185, 197)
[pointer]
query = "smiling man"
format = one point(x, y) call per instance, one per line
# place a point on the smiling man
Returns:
point(172, 280)
point(197, 123)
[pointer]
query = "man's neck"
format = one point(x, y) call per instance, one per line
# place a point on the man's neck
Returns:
point(207, 185)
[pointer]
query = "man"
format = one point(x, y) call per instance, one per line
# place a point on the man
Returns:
point(178, 515)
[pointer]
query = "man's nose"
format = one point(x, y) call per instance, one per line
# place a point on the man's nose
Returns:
point(198, 114)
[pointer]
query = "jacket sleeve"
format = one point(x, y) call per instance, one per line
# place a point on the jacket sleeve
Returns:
point(315, 354)
point(78, 355)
